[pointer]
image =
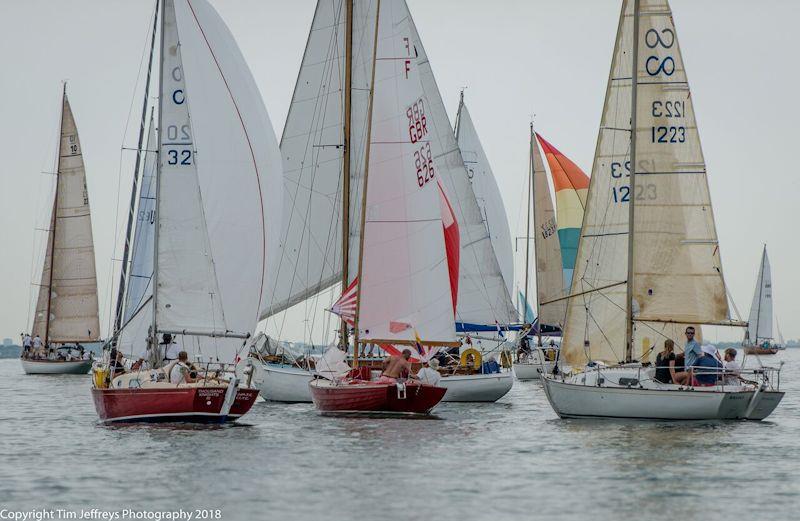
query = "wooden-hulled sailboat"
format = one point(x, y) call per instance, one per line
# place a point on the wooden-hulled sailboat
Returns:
point(66, 309)
point(648, 260)
point(758, 339)
point(324, 149)
point(204, 240)
point(556, 232)
point(406, 286)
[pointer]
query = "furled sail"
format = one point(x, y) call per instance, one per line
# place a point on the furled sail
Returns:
point(69, 293)
point(759, 324)
point(676, 269)
point(216, 205)
point(483, 295)
point(570, 185)
point(487, 193)
point(404, 282)
point(549, 264)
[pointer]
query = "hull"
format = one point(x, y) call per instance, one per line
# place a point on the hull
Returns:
point(477, 387)
point(760, 350)
point(56, 366)
point(570, 400)
point(282, 384)
point(189, 404)
point(374, 397)
point(531, 371)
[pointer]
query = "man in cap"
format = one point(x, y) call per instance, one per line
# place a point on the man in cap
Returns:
point(429, 373)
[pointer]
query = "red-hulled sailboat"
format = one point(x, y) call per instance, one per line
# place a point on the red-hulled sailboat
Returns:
point(202, 246)
point(405, 289)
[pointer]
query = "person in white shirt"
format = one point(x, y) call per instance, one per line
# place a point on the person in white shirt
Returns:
point(171, 350)
point(732, 368)
point(37, 343)
point(180, 371)
point(429, 374)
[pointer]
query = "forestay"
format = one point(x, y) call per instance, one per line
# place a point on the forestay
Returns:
point(759, 324)
point(404, 275)
point(71, 288)
point(483, 294)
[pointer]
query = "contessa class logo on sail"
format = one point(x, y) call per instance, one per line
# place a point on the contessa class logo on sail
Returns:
point(108, 515)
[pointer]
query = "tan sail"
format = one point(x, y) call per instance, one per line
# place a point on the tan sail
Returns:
point(549, 272)
point(598, 316)
point(676, 261)
point(69, 293)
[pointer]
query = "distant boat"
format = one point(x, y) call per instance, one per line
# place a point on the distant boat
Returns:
point(648, 261)
point(66, 310)
point(758, 339)
point(556, 230)
point(207, 204)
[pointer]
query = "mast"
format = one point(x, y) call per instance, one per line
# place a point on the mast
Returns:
point(529, 202)
point(366, 179)
point(632, 185)
point(55, 220)
point(458, 113)
point(154, 327)
point(348, 64)
point(134, 189)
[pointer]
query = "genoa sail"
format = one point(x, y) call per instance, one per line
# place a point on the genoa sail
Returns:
point(487, 195)
point(67, 307)
point(759, 323)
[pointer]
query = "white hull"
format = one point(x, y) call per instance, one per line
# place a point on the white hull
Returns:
point(581, 397)
point(531, 370)
point(477, 387)
point(281, 383)
point(56, 367)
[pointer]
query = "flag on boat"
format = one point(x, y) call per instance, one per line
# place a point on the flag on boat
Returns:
point(571, 185)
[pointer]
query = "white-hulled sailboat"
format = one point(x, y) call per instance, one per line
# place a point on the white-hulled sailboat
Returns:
point(66, 309)
point(648, 261)
point(204, 242)
point(758, 339)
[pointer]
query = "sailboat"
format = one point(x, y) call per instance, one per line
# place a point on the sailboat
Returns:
point(556, 232)
point(194, 277)
point(66, 310)
point(324, 150)
point(758, 339)
point(648, 260)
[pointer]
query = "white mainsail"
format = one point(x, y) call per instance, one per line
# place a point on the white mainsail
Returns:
point(549, 271)
point(216, 202)
point(759, 324)
point(404, 286)
point(487, 193)
point(483, 295)
point(676, 267)
point(69, 293)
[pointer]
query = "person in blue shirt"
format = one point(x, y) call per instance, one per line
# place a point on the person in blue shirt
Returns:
point(707, 368)
point(692, 352)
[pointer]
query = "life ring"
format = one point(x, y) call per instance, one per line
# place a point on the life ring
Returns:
point(473, 353)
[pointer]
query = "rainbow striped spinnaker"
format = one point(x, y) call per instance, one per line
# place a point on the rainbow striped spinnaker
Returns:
point(571, 186)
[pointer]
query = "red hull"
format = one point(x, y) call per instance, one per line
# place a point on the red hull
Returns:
point(190, 404)
point(361, 396)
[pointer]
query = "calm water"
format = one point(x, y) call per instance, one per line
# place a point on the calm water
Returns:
point(510, 460)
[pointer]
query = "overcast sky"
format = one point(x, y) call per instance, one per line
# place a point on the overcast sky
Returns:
point(516, 58)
